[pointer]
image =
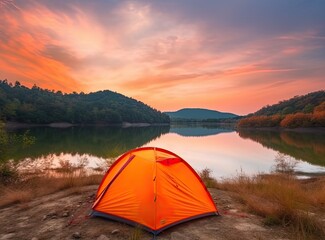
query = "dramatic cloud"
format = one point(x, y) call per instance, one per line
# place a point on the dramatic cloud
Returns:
point(227, 55)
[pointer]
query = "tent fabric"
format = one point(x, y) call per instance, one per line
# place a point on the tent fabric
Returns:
point(153, 188)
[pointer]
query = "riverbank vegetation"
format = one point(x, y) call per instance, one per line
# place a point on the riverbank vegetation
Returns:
point(280, 198)
point(299, 112)
point(15, 189)
point(42, 106)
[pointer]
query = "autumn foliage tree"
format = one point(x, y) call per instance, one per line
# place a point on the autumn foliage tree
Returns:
point(318, 117)
point(260, 121)
point(297, 120)
point(294, 120)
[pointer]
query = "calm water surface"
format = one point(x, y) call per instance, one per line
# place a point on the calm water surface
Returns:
point(224, 151)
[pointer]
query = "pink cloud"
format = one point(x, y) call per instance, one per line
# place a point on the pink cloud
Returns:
point(155, 56)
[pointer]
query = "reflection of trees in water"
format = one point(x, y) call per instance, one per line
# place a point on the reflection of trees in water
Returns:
point(62, 165)
point(314, 141)
point(105, 142)
point(306, 146)
point(60, 152)
point(11, 141)
point(9, 172)
point(30, 166)
point(198, 130)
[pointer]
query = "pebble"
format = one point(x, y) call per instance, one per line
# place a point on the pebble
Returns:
point(102, 237)
point(52, 215)
point(76, 235)
point(65, 214)
point(115, 231)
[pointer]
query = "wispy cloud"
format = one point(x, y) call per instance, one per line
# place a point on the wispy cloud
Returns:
point(169, 54)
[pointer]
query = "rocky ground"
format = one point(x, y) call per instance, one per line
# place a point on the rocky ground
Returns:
point(63, 215)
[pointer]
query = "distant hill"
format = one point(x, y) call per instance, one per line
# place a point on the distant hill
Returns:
point(199, 114)
point(305, 104)
point(298, 112)
point(42, 106)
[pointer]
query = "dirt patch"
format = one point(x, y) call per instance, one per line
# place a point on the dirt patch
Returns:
point(63, 215)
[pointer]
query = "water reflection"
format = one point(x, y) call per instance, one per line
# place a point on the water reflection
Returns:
point(306, 146)
point(197, 130)
point(78, 150)
point(103, 142)
point(62, 165)
point(224, 151)
point(225, 154)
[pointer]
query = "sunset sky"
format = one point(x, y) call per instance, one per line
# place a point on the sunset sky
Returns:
point(228, 55)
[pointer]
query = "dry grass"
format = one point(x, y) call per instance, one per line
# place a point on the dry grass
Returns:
point(24, 191)
point(282, 199)
point(136, 233)
point(207, 179)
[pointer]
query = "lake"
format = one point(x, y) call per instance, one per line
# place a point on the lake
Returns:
point(225, 152)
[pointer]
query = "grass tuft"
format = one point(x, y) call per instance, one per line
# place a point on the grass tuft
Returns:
point(207, 179)
point(283, 199)
point(136, 234)
point(27, 190)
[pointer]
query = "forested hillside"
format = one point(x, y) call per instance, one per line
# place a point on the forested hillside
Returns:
point(304, 104)
point(21, 104)
point(300, 111)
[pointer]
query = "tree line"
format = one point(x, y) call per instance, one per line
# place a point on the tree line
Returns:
point(42, 106)
point(304, 104)
point(316, 118)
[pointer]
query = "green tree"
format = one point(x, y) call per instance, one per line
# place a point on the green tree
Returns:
point(308, 108)
point(37, 105)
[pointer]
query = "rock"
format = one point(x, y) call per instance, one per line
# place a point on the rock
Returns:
point(179, 236)
point(102, 237)
point(66, 214)
point(76, 235)
point(7, 236)
point(34, 238)
point(50, 214)
point(233, 210)
point(227, 207)
point(115, 231)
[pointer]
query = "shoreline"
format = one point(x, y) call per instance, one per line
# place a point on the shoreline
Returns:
point(16, 125)
point(279, 129)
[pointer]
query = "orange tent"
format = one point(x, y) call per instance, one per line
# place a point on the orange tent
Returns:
point(153, 188)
